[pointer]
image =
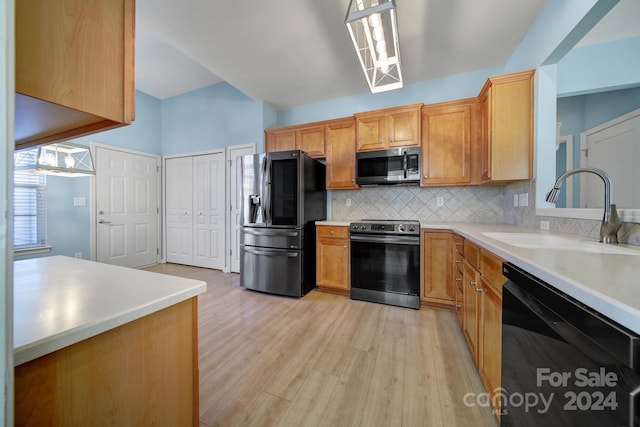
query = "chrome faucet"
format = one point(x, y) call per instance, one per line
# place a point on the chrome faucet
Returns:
point(611, 222)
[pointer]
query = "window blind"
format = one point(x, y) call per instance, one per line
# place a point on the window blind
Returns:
point(29, 210)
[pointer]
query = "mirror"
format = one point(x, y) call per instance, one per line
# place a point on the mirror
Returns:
point(598, 118)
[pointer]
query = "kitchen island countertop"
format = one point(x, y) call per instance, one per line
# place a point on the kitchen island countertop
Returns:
point(608, 283)
point(59, 301)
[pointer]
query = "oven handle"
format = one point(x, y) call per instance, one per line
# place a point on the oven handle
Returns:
point(398, 240)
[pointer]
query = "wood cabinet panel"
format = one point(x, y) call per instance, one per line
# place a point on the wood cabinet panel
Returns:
point(333, 259)
point(280, 140)
point(142, 373)
point(341, 154)
point(388, 128)
point(490, 341)
point(448, 131)
point(311, 139)
point(74, 68)
point(308, 137)
point(437, 255)
point(471, 253)
point(491, 268)
point(507, 127)
point(471, 283)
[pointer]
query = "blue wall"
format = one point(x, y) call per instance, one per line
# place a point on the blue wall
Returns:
point(213, 117)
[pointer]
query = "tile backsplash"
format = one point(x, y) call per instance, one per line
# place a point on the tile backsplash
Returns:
point(459, 204)
point(489, 204)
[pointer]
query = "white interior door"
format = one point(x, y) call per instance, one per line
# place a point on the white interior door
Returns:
point(208, 210)
point(179, 210)
point(235, 193)
point(613, 147)
point(127, 188)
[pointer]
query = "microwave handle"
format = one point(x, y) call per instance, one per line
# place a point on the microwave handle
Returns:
point(405, 164)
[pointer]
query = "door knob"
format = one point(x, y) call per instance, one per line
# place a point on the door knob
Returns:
point(102, 221)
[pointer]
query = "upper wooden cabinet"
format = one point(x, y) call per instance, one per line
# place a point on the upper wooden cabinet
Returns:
point(341, 154)
point(450, 130)
point(309, 138)
point(507, 128)
point(74, 68)
point(388, 128)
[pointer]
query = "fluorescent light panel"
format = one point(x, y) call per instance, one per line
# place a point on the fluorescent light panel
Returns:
point(373, 28)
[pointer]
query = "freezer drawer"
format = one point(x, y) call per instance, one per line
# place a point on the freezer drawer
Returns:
point(276, 271)
point(272, 238)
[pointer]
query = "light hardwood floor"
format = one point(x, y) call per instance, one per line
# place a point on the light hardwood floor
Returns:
point(325, 360)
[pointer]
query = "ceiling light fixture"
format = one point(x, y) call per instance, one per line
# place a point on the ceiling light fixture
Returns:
point(61, 159)
point(373, 28)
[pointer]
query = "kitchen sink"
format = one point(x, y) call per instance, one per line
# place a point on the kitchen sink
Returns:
point(550, 241)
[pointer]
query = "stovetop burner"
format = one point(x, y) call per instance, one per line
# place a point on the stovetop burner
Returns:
point(385, 226)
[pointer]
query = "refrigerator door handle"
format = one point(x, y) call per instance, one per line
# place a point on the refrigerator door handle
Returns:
point(271, 253)
point(267, 193)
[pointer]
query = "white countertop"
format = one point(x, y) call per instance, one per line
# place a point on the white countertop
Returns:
point(59, 301)
point(610, 284)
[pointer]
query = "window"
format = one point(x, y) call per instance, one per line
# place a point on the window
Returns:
point(29, 210)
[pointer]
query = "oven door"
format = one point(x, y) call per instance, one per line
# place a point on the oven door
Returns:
point(385, 264)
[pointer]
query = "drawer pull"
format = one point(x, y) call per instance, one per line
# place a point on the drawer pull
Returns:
point(458, 279)
point(478, 289)
point(473, 282)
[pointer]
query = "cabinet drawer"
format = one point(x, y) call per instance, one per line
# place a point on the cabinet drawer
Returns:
point(472, 253)
point(339, 232)
point(491, 268)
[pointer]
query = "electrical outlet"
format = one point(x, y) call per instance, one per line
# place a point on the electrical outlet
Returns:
point(440, 201)
point(515, 200)
point(544, 225)
point(348, 202)
point(78, 255)
point(523, 199)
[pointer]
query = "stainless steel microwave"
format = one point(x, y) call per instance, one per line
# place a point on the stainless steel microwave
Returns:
point(388, 167)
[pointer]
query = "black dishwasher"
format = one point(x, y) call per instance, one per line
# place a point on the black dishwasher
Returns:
point(563, 364)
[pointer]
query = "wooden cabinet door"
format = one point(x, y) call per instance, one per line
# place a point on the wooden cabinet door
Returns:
point(280, 140)
point(311, 139)
point(471, 283)
point(332, 258)
point(507, 146)
point(371, 132)
point(490, 340)
point(437, 261)
point(341, 154)
point(446, 143)
point(404, 127)
point(74, 63)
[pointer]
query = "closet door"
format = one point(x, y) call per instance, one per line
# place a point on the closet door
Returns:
point(179, 208)
point(208, 210)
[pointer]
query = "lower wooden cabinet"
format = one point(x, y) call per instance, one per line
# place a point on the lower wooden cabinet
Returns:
point(437, 279)
point(479, 310)
point(490, 340)
point(471, 284)
point(333, 258)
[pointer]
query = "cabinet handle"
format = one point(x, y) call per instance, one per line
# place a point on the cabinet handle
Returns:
point(425, 176)
point(458, 306)
point(332, 231)
point(478, 289)
point(380, 142)
point(345, 247)
point(472, 282)
point(458, 279)
point(458, 244)
point(458, 261)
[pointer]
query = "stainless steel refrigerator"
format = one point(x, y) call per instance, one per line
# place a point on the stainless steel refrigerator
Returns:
point(283, 194)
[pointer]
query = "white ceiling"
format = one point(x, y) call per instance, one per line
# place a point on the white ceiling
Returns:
point(295, 52)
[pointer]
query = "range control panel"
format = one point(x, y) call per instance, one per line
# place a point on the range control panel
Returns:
point(385, 227)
